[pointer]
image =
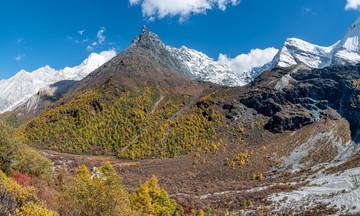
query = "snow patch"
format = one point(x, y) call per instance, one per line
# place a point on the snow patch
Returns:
point(340, 190)
point(293, 162)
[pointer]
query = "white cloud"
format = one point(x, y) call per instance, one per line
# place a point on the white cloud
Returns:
point(91, 43)
point(352, 5)
point(89, 48)
point(310, 11)
point(246, 62)
point(152, 9)
point(100, 35)
point(19, 57)
point(92, 46)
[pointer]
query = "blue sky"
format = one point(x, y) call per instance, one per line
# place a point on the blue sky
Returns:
point(63, 33)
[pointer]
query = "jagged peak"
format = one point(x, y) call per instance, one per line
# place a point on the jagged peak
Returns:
point(146, 37)
point(144, 30)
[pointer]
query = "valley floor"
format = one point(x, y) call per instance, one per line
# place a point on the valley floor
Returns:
point(274, 178)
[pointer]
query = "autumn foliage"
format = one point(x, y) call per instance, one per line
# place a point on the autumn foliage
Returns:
point(100, 193)
point(132, 125)
point(151, 199)
point(20, 178)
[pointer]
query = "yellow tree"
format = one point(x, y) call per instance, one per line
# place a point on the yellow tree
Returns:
point(151, 199)
point(99, 194)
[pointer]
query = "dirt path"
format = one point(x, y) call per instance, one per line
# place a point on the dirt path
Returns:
point(182, 110)
point(73, 161)
point(157, 104)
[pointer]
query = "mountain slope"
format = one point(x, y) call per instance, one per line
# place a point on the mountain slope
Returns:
point(134, 106)
point(19, 88)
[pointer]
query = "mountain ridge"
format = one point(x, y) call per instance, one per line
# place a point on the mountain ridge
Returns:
point(296, 51)
point(191, 63)
point(23, 85)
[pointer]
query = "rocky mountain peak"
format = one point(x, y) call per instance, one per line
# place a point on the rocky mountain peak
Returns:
point(147, 39)
point(149, 44)
point(189, 62)
point(144, 30)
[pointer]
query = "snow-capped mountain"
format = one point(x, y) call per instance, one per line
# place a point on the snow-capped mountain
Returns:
point(296, 51)
point(205, 68)
point(191, 63)
point(19, 88)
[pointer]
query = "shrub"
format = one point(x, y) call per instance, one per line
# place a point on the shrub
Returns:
point(15, 155)
point(18, 200)
point(31, 162)
point(20, 178)
point(98, 194)
point(33, 209)
point(230, 163)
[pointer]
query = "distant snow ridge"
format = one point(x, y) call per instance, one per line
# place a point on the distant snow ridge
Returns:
point(293, 52)
point(19, 88)
point(296, 51)
point(205, 68)
point(343, 52)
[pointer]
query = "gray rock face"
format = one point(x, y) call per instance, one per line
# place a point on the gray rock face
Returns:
point(307, 99)
point(290, 118)
point(149, 44)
